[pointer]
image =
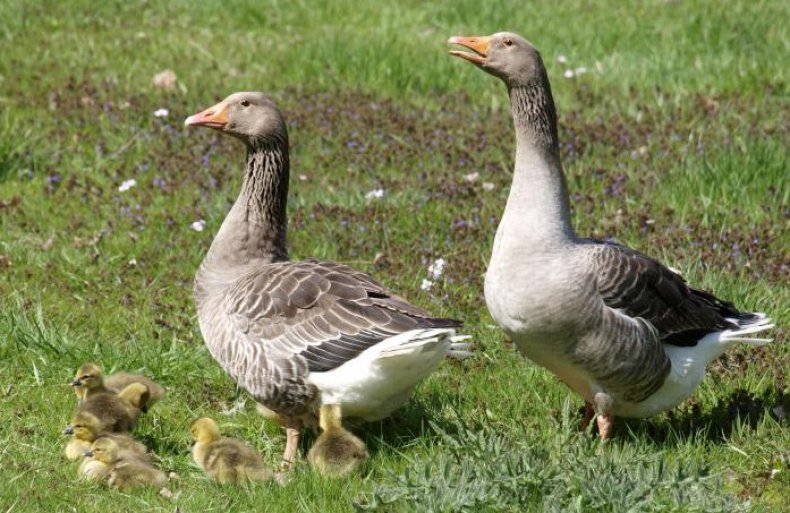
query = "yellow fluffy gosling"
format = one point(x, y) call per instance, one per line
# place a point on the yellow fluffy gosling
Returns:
point(95, 470)
point(90, 380)
point(85, 428)
point(337, 452)
point(225, 459)
point(126, 471)
point(116, 412)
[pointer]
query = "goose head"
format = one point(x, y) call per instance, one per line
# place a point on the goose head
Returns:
point(505, 55)
point(84, 426)
point(104, 450)
point(89, 375)
point(205, 431)
point(250, 116)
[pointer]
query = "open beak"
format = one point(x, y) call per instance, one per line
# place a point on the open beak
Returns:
point(76, 382)
point(479, 45)
point(68, 431)
point(213, 117)
point(88, 453)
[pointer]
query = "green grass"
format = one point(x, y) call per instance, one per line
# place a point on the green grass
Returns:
point(674, 142)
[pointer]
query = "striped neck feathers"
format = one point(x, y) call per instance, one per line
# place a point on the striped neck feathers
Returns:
point(538, 207)
point(256, 226)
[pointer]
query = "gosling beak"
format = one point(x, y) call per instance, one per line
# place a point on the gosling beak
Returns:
point(479, 45)
point(88, 453)
point(213, 117)
point(68, 431)
point(76, 382)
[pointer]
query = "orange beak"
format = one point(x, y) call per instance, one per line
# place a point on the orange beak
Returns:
point(213, 117)
point(479, 45)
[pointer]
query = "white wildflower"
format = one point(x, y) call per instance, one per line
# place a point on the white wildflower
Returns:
point(375, 194)
point(561, 59)
point(165, 79)
point(426, 285)
point(161, 113)
point(198, 225)
point(580, 71)
point(568, 73)
point(472, 177)
point(127, 184)
point(437, 268)
point(488, 186)
point(132, 262)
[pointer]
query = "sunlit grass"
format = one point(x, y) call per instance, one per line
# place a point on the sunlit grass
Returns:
point(674, 141)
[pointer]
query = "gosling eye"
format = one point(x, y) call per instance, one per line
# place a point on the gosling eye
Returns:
point(508, 42)
point(245, 103)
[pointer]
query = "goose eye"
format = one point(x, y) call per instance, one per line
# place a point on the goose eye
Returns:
point(245, 103)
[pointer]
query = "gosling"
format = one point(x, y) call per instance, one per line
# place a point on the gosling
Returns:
point(90, 380)
point(85, 428)
point(116, 412)
point(225, 459)
point(337, 452)
point(124, 470)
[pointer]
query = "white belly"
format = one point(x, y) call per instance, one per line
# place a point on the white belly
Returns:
point(382, 378)
point(685, 375)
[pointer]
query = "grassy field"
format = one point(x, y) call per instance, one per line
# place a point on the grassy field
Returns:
point(675, 141)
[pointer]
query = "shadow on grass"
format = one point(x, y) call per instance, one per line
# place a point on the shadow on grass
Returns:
point(408, 425)
point(741, 409)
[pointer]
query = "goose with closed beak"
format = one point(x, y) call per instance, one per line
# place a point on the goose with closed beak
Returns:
point(299, 334)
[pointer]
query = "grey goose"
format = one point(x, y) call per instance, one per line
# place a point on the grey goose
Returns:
point(301, 334)
point(619, 328)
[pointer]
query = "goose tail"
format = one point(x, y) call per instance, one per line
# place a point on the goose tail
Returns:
point(748, 324)
point(460, 349)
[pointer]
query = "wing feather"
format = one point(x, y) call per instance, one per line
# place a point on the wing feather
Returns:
point(641, 287)
point(322, 313)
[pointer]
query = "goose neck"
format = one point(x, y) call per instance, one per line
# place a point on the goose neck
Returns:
point(535, 117)
point(256, 226)
point(538, 208)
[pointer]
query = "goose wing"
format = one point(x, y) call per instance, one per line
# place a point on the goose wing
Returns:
point(319, 314)
point(640, 287)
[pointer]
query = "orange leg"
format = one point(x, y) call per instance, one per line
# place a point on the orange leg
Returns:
point(605, 423)
point(293, 429)
point(603, 408)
